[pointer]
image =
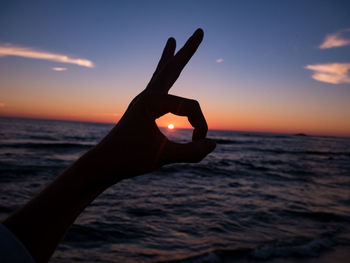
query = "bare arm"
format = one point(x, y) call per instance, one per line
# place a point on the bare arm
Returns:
point(134, 146)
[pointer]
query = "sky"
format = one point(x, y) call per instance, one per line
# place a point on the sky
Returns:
point(269, 66)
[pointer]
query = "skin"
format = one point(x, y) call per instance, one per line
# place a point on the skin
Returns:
point(133, 147)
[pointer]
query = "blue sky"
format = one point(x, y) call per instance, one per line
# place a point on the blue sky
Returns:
point(264, 47)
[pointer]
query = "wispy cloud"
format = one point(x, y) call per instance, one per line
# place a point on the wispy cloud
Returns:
point(219, 60)
point(336, 39)
point(27, 52)
point(58, 69)
point(335, 73)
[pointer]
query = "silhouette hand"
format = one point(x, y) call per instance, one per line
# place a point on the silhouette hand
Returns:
point(136, 145)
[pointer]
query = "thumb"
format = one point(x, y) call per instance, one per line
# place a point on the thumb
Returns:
point(191, 152)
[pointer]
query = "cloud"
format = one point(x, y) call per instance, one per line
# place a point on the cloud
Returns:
point(219, 60)
point(59, 69)
point(336, 39)
point(335, 73)
point(13, 50)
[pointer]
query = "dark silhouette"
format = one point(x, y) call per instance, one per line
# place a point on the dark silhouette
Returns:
point(134, 146)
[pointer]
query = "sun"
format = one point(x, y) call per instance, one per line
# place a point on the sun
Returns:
point(171, 126)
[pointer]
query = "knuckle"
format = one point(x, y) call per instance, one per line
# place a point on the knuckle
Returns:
point(194, 103)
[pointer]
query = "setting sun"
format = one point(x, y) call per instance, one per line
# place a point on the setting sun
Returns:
point(171, 126)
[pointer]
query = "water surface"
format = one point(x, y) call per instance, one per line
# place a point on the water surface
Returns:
point(257, 197)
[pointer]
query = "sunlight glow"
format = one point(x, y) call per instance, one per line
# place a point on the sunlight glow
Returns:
point(171, 126)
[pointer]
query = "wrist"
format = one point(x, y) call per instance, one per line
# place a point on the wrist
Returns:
point(92, 168)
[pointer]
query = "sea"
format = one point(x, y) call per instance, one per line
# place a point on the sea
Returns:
point(258, 197)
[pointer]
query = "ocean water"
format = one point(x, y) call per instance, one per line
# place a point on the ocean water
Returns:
point(257, 198)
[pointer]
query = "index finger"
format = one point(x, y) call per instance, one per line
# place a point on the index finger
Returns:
point(172, 70)
point(168, 54)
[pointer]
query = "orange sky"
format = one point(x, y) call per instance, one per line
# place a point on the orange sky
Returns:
point(261, 67)
point(278, 122)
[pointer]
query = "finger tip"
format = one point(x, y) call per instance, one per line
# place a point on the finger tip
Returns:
point(171, 41)
point(199, 32)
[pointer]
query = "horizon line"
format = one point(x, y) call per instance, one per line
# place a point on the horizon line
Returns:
point(165, 127)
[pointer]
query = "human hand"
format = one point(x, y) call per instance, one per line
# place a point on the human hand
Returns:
point(136, 145)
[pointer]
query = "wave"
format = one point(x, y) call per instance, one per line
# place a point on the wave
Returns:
point(319, 216)
point(42, 137)
point(250, 165)
point(277, 150)
point(293, 250)
point(238, 141)
point(145, 211)
point(284, 151)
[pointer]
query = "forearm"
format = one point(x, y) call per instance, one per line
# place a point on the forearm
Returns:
point(43, 221)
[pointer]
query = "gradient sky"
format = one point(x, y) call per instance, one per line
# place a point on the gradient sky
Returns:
point(280, 66)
